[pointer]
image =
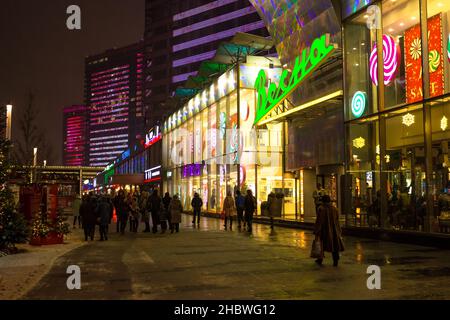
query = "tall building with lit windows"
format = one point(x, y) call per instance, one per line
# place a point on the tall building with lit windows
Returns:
point(180, 35)
point(76, 135)
point(113, 94)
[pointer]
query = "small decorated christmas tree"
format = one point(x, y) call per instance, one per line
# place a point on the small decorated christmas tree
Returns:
point(13, 227)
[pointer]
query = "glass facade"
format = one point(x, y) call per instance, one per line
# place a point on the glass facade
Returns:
point(397, 134)
point(224, 151)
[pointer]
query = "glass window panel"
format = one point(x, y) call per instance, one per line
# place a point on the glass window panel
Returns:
point(401, 52)
point(360, 93)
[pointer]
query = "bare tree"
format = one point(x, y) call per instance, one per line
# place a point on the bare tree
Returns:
point(30, 136)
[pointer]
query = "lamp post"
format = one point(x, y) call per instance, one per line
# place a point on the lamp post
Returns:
point(33, 170)
point(8, 121)
point(35, 157)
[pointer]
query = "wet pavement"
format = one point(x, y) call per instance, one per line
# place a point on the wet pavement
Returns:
point(211, 263)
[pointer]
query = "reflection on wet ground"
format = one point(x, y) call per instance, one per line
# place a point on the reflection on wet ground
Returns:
point(208, 262)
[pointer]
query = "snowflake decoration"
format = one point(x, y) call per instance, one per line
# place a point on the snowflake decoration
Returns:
point(359, 142)
point(408, 119)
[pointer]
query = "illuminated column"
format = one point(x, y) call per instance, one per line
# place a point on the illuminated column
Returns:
point(35, 157)
point(8, 121)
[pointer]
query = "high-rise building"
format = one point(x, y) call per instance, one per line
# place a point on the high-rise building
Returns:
point(113, 94)
point(180, 35)
point(75, 133)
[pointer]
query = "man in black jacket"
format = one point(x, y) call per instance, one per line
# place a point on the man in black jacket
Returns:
point(155, 207)
point(197, 204)
point(250, 207)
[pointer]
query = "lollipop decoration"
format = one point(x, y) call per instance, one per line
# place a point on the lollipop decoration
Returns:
point(416, 49)
point(434, 60)
point(391, 55)
point(359, 102)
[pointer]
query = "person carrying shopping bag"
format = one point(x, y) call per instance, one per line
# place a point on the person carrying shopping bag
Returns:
point(328, 232)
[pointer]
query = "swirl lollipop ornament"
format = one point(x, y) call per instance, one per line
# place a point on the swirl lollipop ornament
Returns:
point(434, 60)
point(359, 103)
point(391, 56)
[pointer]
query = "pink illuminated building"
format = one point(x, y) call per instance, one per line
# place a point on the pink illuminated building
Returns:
point(114, 96)
point(75, 124)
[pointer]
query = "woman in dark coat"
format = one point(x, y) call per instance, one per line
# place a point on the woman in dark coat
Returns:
point(328, 230)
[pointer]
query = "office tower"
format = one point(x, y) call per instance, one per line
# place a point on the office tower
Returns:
point(113, 94)
point(180, 35)
point(76, 135)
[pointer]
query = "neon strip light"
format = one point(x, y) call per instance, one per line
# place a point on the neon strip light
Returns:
point(304, 106)
point(153, 180)
point(215, 20)
point(197, 58)
point(311, 59)
point(204, 8)
point(217, 36)
point(109, 137)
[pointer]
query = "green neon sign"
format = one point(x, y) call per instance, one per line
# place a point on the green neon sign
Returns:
point(311, 59)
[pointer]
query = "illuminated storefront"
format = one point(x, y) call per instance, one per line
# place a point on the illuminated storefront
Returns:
point(211, 146)
point(397, 106)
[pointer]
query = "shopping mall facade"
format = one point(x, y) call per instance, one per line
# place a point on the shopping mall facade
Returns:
point(317, 113)
point(380, 148)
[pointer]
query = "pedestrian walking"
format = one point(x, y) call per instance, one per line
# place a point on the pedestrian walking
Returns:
point(250, 207)
point(166, 202)
point(229, 208)
point(145, 210)
point(274, 206)
point(103, 217)
point(134, 215)
point(89, 218)
point(155, 207)
point(76, 211)
point(175, 209)
point(197, 204)
point(240, 207)
point(163, 218)
point(129, 204)
point(116, 204)
point(317, 196)
point(328, 230)
point(122, 211)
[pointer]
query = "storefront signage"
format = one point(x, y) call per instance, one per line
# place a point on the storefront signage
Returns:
point(391, 58)
point(304, 66)
point(192, 170)
point(413, 60)
point(153, 136)
point(153, 174)
point(359, 103)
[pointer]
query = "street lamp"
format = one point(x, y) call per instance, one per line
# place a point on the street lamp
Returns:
point(35, 157)
point(8, 121)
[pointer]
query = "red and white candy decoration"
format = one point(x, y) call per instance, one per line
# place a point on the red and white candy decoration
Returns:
point(391, 56)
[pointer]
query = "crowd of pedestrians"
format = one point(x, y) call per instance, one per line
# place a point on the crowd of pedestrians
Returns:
point(165, 213)
point(131, 209)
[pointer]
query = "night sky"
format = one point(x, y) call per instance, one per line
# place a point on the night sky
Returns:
point(39, 54)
